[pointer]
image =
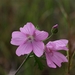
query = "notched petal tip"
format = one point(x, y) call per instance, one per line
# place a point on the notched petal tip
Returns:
point(18, 55)
point(30, 23)
point(29, 28)
point(52, 65)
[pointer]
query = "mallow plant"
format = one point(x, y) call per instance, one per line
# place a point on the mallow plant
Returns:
point(30, 41)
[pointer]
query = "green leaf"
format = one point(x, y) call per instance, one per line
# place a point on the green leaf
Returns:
point(38, 62)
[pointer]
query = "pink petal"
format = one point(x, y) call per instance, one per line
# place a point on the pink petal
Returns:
point(18, 38)
point(28, 29)
point(62, 42)
point(24, 49)
point(56, 59)
point(58, 45)
point(55, 26)
point(51, 45)
point(17, 42)
point(38, 48)
point(41, 35)
point(49, 61)
point(61, 56)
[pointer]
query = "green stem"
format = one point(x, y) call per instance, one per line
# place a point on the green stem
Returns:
point(21, 64)
point(69, 61)
point(49, 36)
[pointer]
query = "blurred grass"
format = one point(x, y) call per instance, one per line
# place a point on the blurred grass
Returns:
point(43, 14)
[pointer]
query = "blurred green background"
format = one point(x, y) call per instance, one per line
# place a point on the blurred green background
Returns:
point(43, 14)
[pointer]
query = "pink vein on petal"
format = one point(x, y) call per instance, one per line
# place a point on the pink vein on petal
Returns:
point(38, 48)
point(24, 49)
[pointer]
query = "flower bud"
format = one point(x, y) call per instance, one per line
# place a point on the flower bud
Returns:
point(54, 29)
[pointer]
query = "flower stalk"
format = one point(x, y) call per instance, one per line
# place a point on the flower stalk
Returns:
point(21, 64)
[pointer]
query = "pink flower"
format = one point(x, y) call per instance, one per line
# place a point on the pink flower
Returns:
point(54, 57)
point(29, 39)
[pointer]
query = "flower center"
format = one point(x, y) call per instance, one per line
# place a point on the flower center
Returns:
point(30, 38)
point(50, 51)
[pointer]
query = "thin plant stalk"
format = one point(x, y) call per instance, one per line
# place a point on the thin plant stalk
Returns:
point(21, 64)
